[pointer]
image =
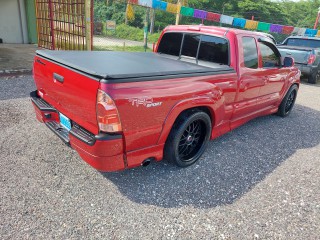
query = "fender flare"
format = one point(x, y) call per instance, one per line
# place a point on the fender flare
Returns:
point(293, 80)
point(177, 109)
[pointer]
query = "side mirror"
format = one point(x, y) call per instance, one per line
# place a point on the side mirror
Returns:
point(288, 62)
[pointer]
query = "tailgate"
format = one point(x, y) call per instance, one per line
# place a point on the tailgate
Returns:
point(70, 92)
point(300, 55)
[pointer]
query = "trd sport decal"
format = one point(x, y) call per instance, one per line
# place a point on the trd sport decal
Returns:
point(144, 101)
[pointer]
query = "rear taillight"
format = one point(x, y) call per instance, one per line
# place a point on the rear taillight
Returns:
point(312, 58)
point(107, 113)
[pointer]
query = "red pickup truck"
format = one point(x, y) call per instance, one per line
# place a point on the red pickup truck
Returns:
point(120, 110)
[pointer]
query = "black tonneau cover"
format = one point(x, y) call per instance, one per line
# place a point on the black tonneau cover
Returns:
point(120, 65)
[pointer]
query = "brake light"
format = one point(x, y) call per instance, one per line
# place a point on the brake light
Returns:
point(312, 58)
point(107, 113)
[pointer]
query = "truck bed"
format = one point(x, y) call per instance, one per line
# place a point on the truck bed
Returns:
point(125, 66)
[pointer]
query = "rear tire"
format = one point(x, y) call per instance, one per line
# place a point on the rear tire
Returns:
point(188, 138)
point(314, 78)
point(288, 101)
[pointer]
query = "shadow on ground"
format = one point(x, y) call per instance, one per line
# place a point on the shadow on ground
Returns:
point(231, 166)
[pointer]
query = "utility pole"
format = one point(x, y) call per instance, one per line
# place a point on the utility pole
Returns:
point(88, 24)
point(178, 14)
point(317, 20)
point(146, 23)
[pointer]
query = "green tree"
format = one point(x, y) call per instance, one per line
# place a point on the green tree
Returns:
point(301, 13)
point(262, 10)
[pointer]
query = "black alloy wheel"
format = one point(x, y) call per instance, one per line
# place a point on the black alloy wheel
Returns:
point(288, 101)
point(191, 140)
point(188, 139)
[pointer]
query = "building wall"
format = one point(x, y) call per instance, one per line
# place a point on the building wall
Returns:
point(31, 20)
point(13, 21)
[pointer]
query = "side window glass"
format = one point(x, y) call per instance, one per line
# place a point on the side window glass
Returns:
point(250, 54)
point(269, 57)
point(214, 49)
point(190, 45)
point(170, 44)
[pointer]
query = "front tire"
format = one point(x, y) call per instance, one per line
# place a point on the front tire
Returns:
point(288, 101)
point(188, 139)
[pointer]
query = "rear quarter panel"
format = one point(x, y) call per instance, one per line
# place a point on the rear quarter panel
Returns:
point(143, 124)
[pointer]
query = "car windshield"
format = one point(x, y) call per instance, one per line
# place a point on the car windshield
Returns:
point(312, 43)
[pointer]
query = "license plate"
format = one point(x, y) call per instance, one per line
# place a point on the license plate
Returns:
point(65, 121)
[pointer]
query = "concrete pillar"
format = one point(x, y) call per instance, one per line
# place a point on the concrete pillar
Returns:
point(23, 21)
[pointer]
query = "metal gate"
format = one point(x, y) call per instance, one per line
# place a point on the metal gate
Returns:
point(61, 24)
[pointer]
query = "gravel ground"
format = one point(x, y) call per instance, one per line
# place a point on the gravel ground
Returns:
point(16, 56)
point(260, 181)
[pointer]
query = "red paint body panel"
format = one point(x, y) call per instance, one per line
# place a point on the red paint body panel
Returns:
point(103, 155)
point(75, 98)
point(232, 99)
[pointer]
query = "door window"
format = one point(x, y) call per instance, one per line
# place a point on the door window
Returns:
point(270, 58)
point(214, 49)
point(250, 53)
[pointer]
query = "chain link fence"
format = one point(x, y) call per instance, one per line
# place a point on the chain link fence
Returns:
point(61, 24)
point(113, 31)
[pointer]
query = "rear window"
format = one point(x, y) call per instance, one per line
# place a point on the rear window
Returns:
point(190, 45)
point(200, 47)
point(170, 44)
point(312, 43)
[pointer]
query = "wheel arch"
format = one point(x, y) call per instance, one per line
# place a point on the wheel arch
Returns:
point(290, 86)
point(178, 111)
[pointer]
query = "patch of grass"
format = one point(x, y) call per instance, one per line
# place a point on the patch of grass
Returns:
point(130, 33)
point(119, 48)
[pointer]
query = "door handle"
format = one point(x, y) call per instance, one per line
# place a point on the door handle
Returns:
point(39, 61)
point(57, 77)
point(231, 84)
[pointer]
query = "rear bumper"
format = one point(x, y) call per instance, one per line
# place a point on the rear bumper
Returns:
point(104, 152)
point(307, 70)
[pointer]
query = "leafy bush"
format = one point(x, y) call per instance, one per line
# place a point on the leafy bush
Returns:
point(102, 12)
